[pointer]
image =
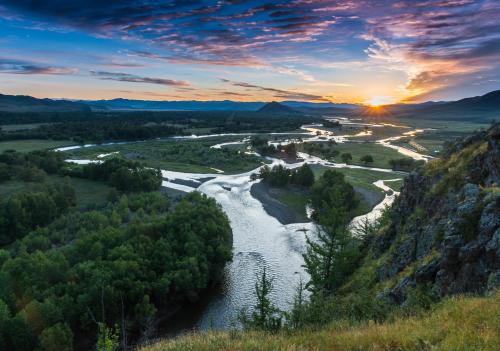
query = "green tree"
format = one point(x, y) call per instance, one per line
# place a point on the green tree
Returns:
point(303, 176)
point(332, 197)
point(107, 338)
point(330, 258)
point(265, 315)
point(295, 319)
point(367, 159)
point(58, 337)
point(346, 157)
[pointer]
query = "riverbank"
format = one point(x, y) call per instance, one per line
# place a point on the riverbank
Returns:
point(275, 208)
point(288, 205)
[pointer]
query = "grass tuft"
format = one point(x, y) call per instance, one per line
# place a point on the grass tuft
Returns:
point(458, 323)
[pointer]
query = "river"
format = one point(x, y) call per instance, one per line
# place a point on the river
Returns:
point(260, 240)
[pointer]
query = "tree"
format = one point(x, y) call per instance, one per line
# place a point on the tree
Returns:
point(367, 159)
point(303, 176)
point(265, 315)
point(331, 195)
point(107, 338)
point(296, 317)
point(57, 338)
point(346, 157)
point(330, 258)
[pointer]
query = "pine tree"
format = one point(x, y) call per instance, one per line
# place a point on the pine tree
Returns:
point(265, 316)
point(329, 258)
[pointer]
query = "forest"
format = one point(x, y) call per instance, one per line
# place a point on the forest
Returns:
point(71, 277)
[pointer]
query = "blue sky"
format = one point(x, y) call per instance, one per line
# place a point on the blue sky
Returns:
point(312, 50)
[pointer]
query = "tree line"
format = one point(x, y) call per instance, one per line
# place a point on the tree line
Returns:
point(141, 125)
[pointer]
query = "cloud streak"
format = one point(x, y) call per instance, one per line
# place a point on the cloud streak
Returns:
point(131, 78)
point(278, 93)
point(13, 66)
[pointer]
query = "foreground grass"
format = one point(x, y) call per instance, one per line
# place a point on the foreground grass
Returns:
point(32, 145)
point(458, 324)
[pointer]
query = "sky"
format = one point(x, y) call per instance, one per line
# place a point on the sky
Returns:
point(364, 51)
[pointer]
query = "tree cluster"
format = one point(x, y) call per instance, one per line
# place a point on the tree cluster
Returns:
point(280, 176)
point(87, 272)
point(124, 175)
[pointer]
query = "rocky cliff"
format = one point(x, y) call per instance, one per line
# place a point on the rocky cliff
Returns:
point(444, 229)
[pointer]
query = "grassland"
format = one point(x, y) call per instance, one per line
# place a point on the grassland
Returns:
point(179, 155)
point(363, 178)
point(439, 132)
point(295, 201)
point(32, 145)
point(88, 192)
point(458, 324)
point(381, 154)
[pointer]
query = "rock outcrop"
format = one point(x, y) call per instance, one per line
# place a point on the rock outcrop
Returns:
point(444, 231)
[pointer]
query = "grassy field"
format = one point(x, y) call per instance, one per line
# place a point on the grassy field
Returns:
point(363, 178)
point(179, 155)
point(381, 154)
point(88, 192)
point(295, 200)
point(32, 145)
point(441, 132)
point(458, 324)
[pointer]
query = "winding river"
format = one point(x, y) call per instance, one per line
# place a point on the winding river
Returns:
point(260, 240)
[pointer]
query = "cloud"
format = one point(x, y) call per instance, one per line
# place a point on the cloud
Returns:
point(13, 66)
point(195, 31)
point(277, 93)
point(125, 77)
point(223, 61)
point(437, 43)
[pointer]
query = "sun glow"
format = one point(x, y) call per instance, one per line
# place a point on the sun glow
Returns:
point(377, 101)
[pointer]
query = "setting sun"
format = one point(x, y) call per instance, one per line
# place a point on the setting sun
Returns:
point(377, 101)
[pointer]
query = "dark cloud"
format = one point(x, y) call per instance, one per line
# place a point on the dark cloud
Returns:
point(277, 93)
point(14, 66)
point(219, 32)
point(125, 77)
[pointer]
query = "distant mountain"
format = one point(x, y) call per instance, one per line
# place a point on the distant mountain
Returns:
point(276, 107)
point(126, 104)
point(318, 105)
point(480, 108)
point(21, 103)
point(224, 105)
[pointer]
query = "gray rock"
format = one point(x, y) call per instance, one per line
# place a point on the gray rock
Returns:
point(427, 273)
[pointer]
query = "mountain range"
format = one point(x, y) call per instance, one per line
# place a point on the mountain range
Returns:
point(21, 103)
point(479, 108)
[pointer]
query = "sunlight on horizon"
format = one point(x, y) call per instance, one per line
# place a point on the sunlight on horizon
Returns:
point(377, 101)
